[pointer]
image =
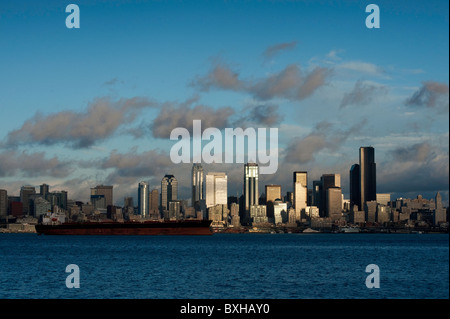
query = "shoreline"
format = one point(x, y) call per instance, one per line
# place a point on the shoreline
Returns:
point(249, 230)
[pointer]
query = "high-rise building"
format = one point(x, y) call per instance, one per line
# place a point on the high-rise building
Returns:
point(273, 192)
point(174, 211)
point(128, 202)
point(279, 212)
point(334, 203)
point(258, 214)
point(300, 191)
point(368, 183)
point(105, 191)
point(154, 200)
point(3, 203)
point(41, 207)
point(251, 180)
point(197, 183)
point(44, 190)
point(57, 199)
point(328, 181)
point(355, 188)
point(331, 180)
point(370, 208)
point(383, 199)
point(169, 191)
point(25, 193)
point(317, 187)
point(438, 201)
point(216, 189)
point(143, 200)
point(234, 213)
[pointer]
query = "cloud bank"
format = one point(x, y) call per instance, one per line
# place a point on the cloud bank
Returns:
point(83, 129)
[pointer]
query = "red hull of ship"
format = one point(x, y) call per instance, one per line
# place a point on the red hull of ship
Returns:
point(151, 228)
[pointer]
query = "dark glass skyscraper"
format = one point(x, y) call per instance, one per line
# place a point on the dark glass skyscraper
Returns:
point(367, 174)
point(355, 191)
point(169, 191)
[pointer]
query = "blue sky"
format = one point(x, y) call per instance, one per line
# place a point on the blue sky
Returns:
point(93, 105)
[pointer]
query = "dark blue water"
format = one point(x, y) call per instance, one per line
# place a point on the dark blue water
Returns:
point(237, 266)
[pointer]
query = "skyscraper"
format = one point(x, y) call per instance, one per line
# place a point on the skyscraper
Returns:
point(317, 187)
point(3, 203)
point(106, 192)
point(300, 191)
point(328, 181)
point(25, 193)
point(197, 183)
point(143, 200)
point(355, 189)
point(438, 201)
point(216, 189)
point(334, 203)
point(273, 192)
point(58, 198)
point(368, 184)
point(44, 190)
point(154, 200)
point(251, 191)
point(169, 191)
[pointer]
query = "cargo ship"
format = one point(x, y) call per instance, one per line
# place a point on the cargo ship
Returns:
point(185, 227)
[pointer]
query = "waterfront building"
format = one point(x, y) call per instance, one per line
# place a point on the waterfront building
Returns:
point(175, 210)
point(292, 221)
point(258, 214)
point(41, 206)
point(234, 213)
point(218, 214)
point(383, 214)
point(357, 216)
point(312, 212)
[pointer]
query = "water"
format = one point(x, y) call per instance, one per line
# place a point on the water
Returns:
point(225, 266)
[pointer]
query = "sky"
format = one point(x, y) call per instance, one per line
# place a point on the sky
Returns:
point(96, 104)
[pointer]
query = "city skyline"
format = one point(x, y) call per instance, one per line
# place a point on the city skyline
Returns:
point(216, 190)
point(96, 105)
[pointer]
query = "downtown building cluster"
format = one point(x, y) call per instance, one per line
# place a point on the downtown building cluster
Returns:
point(322, 206)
